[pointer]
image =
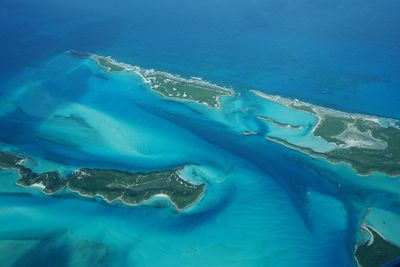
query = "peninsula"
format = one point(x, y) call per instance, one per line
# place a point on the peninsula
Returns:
point(370, 144)
point(376, 251)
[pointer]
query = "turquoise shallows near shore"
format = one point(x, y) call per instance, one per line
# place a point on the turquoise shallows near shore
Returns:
point(376, 251)
point(312, 129)
point(166, 84)
point(248, 132)
point(370, 144)
point(110, 185)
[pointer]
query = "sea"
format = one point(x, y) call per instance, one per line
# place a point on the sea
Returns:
point(264, 204)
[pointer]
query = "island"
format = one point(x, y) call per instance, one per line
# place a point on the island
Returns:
point(376, 251)
point(248, 132)
point(277, 123)
point(163, 83)
point(110, 185)
point(370, 144)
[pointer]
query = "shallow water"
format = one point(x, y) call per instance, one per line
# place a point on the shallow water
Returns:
point(265, 204)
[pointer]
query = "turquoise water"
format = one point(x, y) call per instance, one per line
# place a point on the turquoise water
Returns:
point(252, 214)
point(265, 205)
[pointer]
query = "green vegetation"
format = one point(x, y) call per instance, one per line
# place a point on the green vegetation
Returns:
point(331, 126)
point(49, 181)
point(368, 160)
point(362, 141)
point(365, 125)
point(167, 85)
point(183, 89)
point(9, 160)
point(107, 63)
point(377, 253)
point(131, 188)
point(296, 105)
point(364, 161)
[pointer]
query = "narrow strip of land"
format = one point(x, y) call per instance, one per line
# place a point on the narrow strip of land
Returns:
point(110, 185)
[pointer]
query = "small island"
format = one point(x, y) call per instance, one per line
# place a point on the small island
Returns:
point(376, 251)
point(163, 83)
point(370, 144)
point(277, 123)
point(111, 185)
point(248, 132)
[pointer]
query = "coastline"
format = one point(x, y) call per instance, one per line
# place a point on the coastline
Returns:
point(121, 200)
point(288, 101)
point(50, 183)
point(384, 251)
point(143, 73)
point(321, 155)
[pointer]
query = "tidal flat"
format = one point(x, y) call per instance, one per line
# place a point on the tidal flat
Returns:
point(369, 144)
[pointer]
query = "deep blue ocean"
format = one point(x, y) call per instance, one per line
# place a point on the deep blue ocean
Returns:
point(265, 204)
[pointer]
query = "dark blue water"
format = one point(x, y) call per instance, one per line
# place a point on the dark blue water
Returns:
point(341, 54)
point(265, 205)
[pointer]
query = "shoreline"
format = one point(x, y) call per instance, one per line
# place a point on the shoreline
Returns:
point(373, 233)
point(44, 183)
point(300, 149)
point(121, 200)
point(287, 101)
point(124, 203)
point(221, 91)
